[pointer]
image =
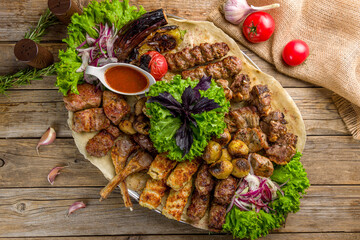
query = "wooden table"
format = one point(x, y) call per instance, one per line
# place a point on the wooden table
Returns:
point(31, 207)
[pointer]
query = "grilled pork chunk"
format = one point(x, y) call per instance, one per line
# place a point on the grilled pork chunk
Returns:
point(115, 107)
point(223, 69)
point(283, 149)
point(113, 130)
point(144, 142)
point(273, 125)
point(89, 120)
point(201, 54)
point(230, 123)
point(261, 165)
point(217, 216)
point(198, 206)
point(245, 117)
point(241, 87)
point(88, 97)
point(225, 190)
point(100, 144)
point(260, 97)
point(225, 85)
point(254, 138)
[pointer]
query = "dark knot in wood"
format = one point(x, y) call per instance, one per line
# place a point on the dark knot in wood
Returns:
point(2, 162)
point(21, 207)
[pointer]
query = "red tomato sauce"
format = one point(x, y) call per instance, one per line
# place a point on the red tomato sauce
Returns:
point(125, 79)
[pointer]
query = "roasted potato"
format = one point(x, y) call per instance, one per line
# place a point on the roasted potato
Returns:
point(238, 148)
point(127, 127)
point(224, 138)
point(139, 106)
point(241, 167)
point(225, 155)
point(142, 124)
point(212, 152)
point(221, 169)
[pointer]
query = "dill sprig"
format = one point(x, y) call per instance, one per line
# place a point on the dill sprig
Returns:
point(24, 77)
point(46, 20)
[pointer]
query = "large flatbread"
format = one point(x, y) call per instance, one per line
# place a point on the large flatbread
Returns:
point(199, 32)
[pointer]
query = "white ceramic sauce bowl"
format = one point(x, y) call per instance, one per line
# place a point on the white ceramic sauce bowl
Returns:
point(99, 72)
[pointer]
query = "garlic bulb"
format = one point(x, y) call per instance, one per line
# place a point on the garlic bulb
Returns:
point(236, 11)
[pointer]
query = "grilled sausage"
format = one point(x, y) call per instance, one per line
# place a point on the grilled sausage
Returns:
point(225, 190)
point(204, 182)
point(217, 217)
point(198, 206)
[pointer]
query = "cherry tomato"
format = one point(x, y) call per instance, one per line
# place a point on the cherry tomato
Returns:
point(258, 27)
point(158, 66)
point(295, 52)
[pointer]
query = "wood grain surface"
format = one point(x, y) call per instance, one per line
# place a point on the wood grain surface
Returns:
point(31, 207)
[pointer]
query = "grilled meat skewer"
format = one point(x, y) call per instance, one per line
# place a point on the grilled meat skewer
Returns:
point(197, 55)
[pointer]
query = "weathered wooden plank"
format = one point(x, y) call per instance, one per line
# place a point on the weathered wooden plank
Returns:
point(324, 209)
point(273, 236)
point(334, 160)
point(41, 108)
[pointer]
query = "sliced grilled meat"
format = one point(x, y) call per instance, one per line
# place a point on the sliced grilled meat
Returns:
point(88, 97)
point(201, 54)
point(283, 149)
point(225, 190)
point(241, 87)
point(217, 217)
point(204, 182)
point(89, 120)
point(115, 107)
point(254, 138)
point(273, 125)
point(100, 144)
point(260, 96)
point(261, 165)
point(198, 206)
point(245, 117)
point(223, 69)
point(225, 85)
point(144, 142)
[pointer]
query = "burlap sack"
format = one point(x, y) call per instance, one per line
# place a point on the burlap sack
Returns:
point(331, 28)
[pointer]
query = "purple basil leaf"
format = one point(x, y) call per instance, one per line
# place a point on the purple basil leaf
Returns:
point(188, 97)
point(204, 84)
point(184, 137)
point(168, 101)
point(204, 105)
point(192, 120)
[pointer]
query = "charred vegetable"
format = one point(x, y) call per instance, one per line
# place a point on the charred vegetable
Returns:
point(225, 155)
point(241, 167)
point(155, 64)
point(212, 152)
point(132, 34)
point(221, 169)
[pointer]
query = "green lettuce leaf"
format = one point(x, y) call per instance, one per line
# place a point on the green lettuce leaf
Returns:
point(243, 224)
point(111, 12)
point(164, 125)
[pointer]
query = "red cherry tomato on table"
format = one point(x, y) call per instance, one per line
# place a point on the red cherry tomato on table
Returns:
point(295, 52)
point(258, 27)
point(158, 66)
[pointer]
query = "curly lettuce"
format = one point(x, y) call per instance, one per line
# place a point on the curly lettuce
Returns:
point(164, 125)
point(253, 225)
point(111, 12)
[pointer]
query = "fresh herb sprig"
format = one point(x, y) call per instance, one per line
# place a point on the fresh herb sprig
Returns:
point(24, 77)
point(46, 20)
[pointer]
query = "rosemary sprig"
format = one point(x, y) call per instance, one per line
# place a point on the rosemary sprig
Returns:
point(24, 77)
point(46, 20)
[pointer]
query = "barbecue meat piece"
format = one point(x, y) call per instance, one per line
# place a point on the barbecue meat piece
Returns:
point(217, 216)
point(88, 97)
point(254, 138)
point(161, 167)
point(89, 120)
point(152, 193)
point(283, 149)
point(245, 117)
point(115, 107)
point(182, 174)
point(204, 182)
point(100, 144)
point(142, 124)
point(261, 165)
point(260, 96)
point(225, 190)
point(198, 206)
point(230, 123)
point(223, 69)
point(144, 142)
point(201, 54)
point(224, 138)
point(113, 130)
point(241, 87)
point(122, 149)
point(273, 125)
point(225, 85)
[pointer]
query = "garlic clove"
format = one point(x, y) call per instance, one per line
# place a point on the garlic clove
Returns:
point(53, 173)
point(75, 206)
point(47, 138)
